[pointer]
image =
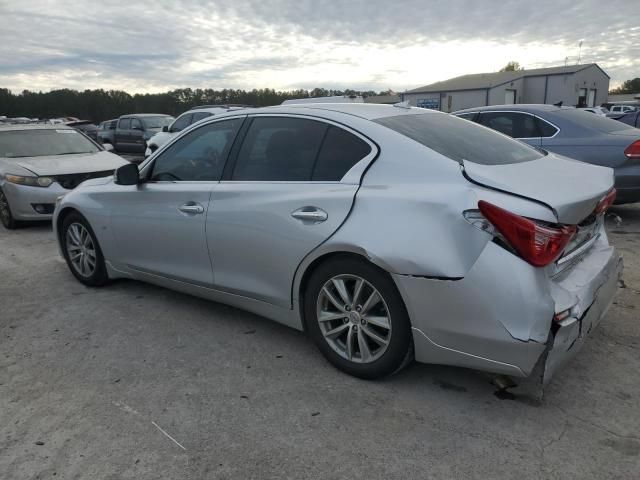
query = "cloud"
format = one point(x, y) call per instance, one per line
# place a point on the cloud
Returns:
point(373, 44)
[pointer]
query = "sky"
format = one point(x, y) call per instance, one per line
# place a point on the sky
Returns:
point(377, 45)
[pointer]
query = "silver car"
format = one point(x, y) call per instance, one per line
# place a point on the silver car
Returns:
point(387, 233)
point(38, 163)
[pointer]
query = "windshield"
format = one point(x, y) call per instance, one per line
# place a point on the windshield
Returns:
point(39, 143)
point(588, 120)
point(460, 139)
point(157, 122)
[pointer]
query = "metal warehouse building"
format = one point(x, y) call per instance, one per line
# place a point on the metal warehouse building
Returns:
point(575, 85)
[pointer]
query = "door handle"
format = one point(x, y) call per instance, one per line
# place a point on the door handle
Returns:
point(191, 207)
point(310, 215)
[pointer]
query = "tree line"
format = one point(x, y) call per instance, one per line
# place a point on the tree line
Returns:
point(628, 86)
point(100, 105)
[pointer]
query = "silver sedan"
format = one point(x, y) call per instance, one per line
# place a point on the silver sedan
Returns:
point(387, 233)
point(38, 163)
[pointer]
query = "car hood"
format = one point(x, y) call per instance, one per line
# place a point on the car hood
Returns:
point(571, 188)
point(67, 164)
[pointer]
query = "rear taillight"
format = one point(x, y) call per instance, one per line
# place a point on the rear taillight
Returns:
point(606, 202)
point(633, 150)
point(536, 244)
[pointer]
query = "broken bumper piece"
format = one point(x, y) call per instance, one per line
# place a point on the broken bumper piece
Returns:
point(572, 331)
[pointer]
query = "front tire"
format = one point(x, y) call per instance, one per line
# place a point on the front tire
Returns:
point(357, 318)
point(6, 217)
point(82, 251)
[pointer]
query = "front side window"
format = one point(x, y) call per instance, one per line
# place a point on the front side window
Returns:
point(181, 123)
point(135, 124)
point(40, 143)
point(460, 140)
point(514, 124)
point(279, 149)
point(124, 124)
point(197, 116)
point(199, 155)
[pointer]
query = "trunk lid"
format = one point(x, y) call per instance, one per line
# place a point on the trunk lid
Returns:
point(572, 189)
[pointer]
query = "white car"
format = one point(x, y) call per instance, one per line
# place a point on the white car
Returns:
point(596, 110)
point(622, 108)
point(183, 121)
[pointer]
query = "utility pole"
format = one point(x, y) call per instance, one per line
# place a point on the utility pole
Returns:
point(579, 51)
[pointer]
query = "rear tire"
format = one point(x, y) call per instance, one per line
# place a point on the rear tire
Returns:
point(82, 252)
point(356, 317)
point(6, 217)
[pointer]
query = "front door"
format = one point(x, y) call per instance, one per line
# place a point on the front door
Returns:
point(289, 186)
point(160, 224)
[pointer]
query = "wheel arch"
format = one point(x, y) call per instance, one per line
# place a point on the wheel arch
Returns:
point(310, 264)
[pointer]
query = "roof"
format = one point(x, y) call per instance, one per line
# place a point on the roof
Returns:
point(519, 107)
point(367, 111)
point(32, 126)
point(144, 115)
point(482, 81)
point(384, 99)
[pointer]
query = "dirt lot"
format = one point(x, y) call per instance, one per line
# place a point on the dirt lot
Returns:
point(134, 381)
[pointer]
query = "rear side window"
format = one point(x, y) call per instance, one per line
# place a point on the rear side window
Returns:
point(468, 116)
point(460, 140)
point(546, 129)
point(279, 149)
point(340, 151)
point(124, 124)
point(514, 124)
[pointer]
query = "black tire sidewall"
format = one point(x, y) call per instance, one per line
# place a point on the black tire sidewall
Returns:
point(11, 223)
point(401, 337)
point(99, 276)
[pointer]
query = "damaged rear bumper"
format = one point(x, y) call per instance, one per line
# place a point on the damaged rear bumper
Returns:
point(569, 335)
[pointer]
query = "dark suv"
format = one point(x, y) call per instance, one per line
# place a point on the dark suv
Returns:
point(133, 131)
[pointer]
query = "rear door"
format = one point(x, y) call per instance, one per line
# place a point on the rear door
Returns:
point(289, 185)
point(160, 224)
point(122, 137)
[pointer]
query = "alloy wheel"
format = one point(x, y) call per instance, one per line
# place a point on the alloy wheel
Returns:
point(81, 249)
point(354, 318)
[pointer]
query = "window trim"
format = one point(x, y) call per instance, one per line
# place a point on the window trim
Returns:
point(524, 113)
point(146, 167)
point(353, 176)
point(190, 114)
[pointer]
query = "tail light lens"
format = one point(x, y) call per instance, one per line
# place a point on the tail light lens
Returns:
point(633, 150)
point(536, 244)
point(606, 202)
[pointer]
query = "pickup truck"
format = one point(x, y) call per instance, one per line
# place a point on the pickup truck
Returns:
point(133, 131)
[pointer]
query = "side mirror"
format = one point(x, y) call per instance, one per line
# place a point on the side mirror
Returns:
point(107, 147)
point(137, 127)
point(165, 128)
point(127, 174)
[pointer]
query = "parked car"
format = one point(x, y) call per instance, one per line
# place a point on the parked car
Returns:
point(573, 133)
point(618, 109)
point(133, 131)
point(630, 118)
point(85, 126)
point(38, 163)
point(596, 110)
point(375, 228)
point(183, 121)
point(107, 131)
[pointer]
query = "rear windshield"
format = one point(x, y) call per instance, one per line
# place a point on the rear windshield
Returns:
point(460, 139)
point(589, 120)
point(157, 122)
point(38, 143)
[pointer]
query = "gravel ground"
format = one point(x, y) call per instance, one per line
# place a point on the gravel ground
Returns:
point(134, 381)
